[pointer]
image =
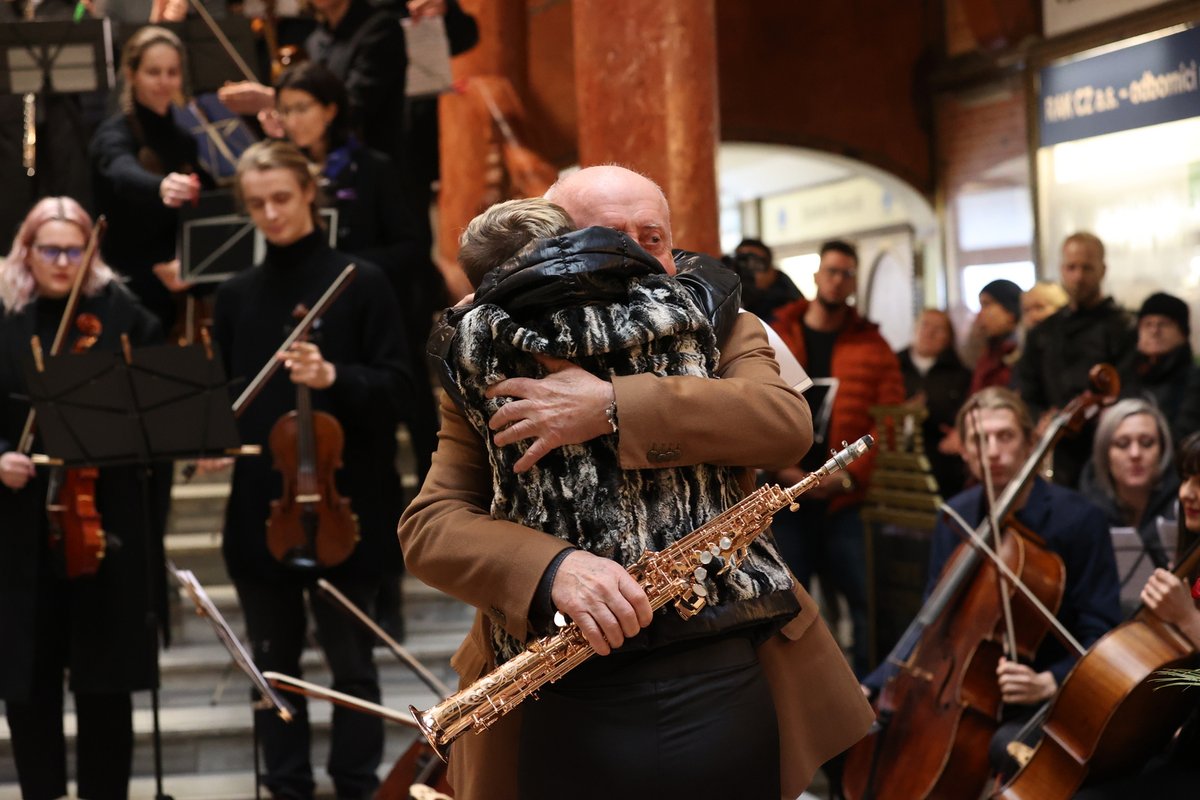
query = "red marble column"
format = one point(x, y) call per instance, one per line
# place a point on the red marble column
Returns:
point(646, 89)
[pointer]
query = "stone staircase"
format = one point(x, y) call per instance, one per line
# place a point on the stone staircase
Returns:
point(205, 715)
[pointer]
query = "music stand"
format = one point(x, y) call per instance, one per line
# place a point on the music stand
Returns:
point(133, 408)
point(59, 57)
point(217, 241)
point(152, 404)
point(56, 56)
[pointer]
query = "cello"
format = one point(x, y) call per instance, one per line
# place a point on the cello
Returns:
point(937, 715)
point(1109, 716)
point(311, 525)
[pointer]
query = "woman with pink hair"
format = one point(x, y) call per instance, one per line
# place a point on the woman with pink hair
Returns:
point(94, 628)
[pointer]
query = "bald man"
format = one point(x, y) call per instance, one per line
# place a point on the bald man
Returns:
point(745, 416)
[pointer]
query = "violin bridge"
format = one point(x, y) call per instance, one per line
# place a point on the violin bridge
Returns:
point(308, 498)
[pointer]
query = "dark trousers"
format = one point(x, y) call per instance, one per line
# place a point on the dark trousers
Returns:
point(833, 546)
point(694, 721)
point(276, 621)
point(104, 721)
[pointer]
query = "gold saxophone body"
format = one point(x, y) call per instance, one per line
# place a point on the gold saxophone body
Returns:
point(675, 574)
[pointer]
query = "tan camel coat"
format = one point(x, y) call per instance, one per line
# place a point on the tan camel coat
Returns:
point(751, 418)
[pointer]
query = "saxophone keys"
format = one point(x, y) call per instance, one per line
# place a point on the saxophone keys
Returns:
point(700, 573)
point(705, 557)
point(560, 619)
point(699, 590)
point(714, 549)
point(725, 543)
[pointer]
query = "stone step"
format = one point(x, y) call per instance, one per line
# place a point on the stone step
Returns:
point(208, 786)
point(207, 739)
point(425, 611)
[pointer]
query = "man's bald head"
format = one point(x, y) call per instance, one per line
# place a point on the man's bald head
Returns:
point(621, 199)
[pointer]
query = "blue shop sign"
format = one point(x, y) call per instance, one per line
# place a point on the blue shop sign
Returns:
point(1141, 85)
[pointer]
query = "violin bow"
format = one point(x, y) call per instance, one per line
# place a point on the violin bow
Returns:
point(320, 307)
point(428, 678)
point(223, 40)
point(982, 447)
point(25, 443)
point(206, 608)
point(297, 686)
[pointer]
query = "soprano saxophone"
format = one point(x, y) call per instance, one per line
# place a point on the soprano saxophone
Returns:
point(675, 574)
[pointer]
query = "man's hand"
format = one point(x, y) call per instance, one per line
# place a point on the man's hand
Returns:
point(246, 97)
point(566, 407)
point(951, 443)
point(1021, 685)
point(601, 598)
point(16, 469)
point(307, 366)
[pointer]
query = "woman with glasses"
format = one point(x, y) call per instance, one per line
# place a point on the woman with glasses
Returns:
point(99, 629)
point(373, 221)
point(145, 166)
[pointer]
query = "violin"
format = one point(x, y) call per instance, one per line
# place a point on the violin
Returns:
point(937, 715)
point(311, 525)
point(1108, 718)
point(75, 524)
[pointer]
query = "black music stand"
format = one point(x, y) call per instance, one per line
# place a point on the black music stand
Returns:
point(217, 240)
point(152, 404)
point(139, 407)
point(58, 57)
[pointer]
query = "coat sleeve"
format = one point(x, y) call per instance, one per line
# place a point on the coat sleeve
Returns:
point(114, 154)
point(380, 383)
point(380, 60)
point(451, 542)
point(747, 417)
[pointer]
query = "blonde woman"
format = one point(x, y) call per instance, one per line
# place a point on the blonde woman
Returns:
point(145, 166)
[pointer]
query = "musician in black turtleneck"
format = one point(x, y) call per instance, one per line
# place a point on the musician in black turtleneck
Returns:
point(356, 367)
point(145, 167)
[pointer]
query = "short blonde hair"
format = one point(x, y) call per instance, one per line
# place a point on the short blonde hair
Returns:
point(507, 230)
point(279, 154)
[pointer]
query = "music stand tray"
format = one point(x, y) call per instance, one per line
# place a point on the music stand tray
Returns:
point(56, 56)
point(98, 409)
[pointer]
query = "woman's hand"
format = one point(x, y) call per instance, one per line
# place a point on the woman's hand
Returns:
point(15, 470)
point(177, 189)
point(272, 126)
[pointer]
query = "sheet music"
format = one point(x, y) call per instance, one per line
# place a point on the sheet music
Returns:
point(428, 57)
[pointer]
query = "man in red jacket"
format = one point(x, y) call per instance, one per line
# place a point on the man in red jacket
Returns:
point(854, 369)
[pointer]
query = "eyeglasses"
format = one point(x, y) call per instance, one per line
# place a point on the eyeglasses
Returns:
point(838, 272)
point(298, 108)
point(52, 253)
